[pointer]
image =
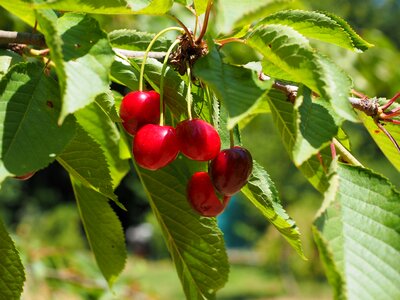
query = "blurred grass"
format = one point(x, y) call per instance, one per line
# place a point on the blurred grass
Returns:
point(157, 280)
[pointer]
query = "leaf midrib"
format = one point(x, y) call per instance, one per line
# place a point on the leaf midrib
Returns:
point(170, 239)
point(14, 138)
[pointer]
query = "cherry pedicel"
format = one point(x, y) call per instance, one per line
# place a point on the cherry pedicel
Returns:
point(138, 109)
point(198, 140)
point(155, 146)
point(230, 170)
point(202, 195)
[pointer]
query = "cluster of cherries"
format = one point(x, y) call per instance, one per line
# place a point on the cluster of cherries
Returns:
point(155, 146)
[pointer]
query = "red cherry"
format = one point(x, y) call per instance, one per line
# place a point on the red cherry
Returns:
point(202, 195)
point(25, 176)
point(155, 146)
point(138, 109)
point(198, 139)
point(230, 170)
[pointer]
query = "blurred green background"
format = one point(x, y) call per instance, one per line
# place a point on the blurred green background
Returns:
point(43, 219)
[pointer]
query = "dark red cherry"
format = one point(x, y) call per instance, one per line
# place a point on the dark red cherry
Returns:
point(202, 196)
point(155, 146)
point(198, 139)
point(230, 170)
point(25, 176)
point(138, 109)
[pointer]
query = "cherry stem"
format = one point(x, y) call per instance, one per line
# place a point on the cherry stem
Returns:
point(393, 113)
point(359, 94)
point(391, 138)
point(393, 121)
point(189, 92)
point(183, 27)
point(321, 162)
point(205, 23)
point(196, 24)
point(164, 67)
point(345, 154)
point(231, 138)
point(223, 42)
point(146, 53)
point(383, 107)
point(333, 150)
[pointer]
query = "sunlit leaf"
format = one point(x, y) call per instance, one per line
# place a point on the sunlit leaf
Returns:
point(358, 234)
point(200, 6)
point(195, 243)
point(268, 8)
point(321, 26)
point(155, 7)
point(291, 52)
point(104, 131)
point(30, 137)
point(231, 11)
point(8, 58)
point(12, 274)
point(21, 8)
point(123, 73)
point(261, 191)
point(83, 56)
point(103, 230)
point(238, 88)
point(382, 140)
point(135, 40)
point(284, 117)
point(315, 128)
point(84, 159)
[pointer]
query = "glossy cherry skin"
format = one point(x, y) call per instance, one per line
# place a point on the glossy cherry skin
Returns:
point(198, 140)
point(202, 196)
point(231, 169)
point(138, 109)
point(155, 146)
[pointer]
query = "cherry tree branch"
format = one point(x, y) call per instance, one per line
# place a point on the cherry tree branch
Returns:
point(17, 40)
point(14, 37)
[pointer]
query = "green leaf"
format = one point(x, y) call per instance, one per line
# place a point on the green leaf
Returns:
point(291, 52)
point(383, 142)
point(12, 274)
point(8, 58)
point(3, 173)
point(284, 117)
point(195, 243)
point(261, 191)
point(83, 56)
point(84, 159)
point(238, 88)
point(358, 234)
point(123, 73)
point(315, 128)
point(200, 6)
point(154, 7)
point(30, 138)
point(321, 26)
point(174, 86)
point(106, 102)
point(231, 11)
point(104, 131)
point(103, 231)
point(20, 8)
point(137, 41)
point(335, 86)
point(268, 8)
